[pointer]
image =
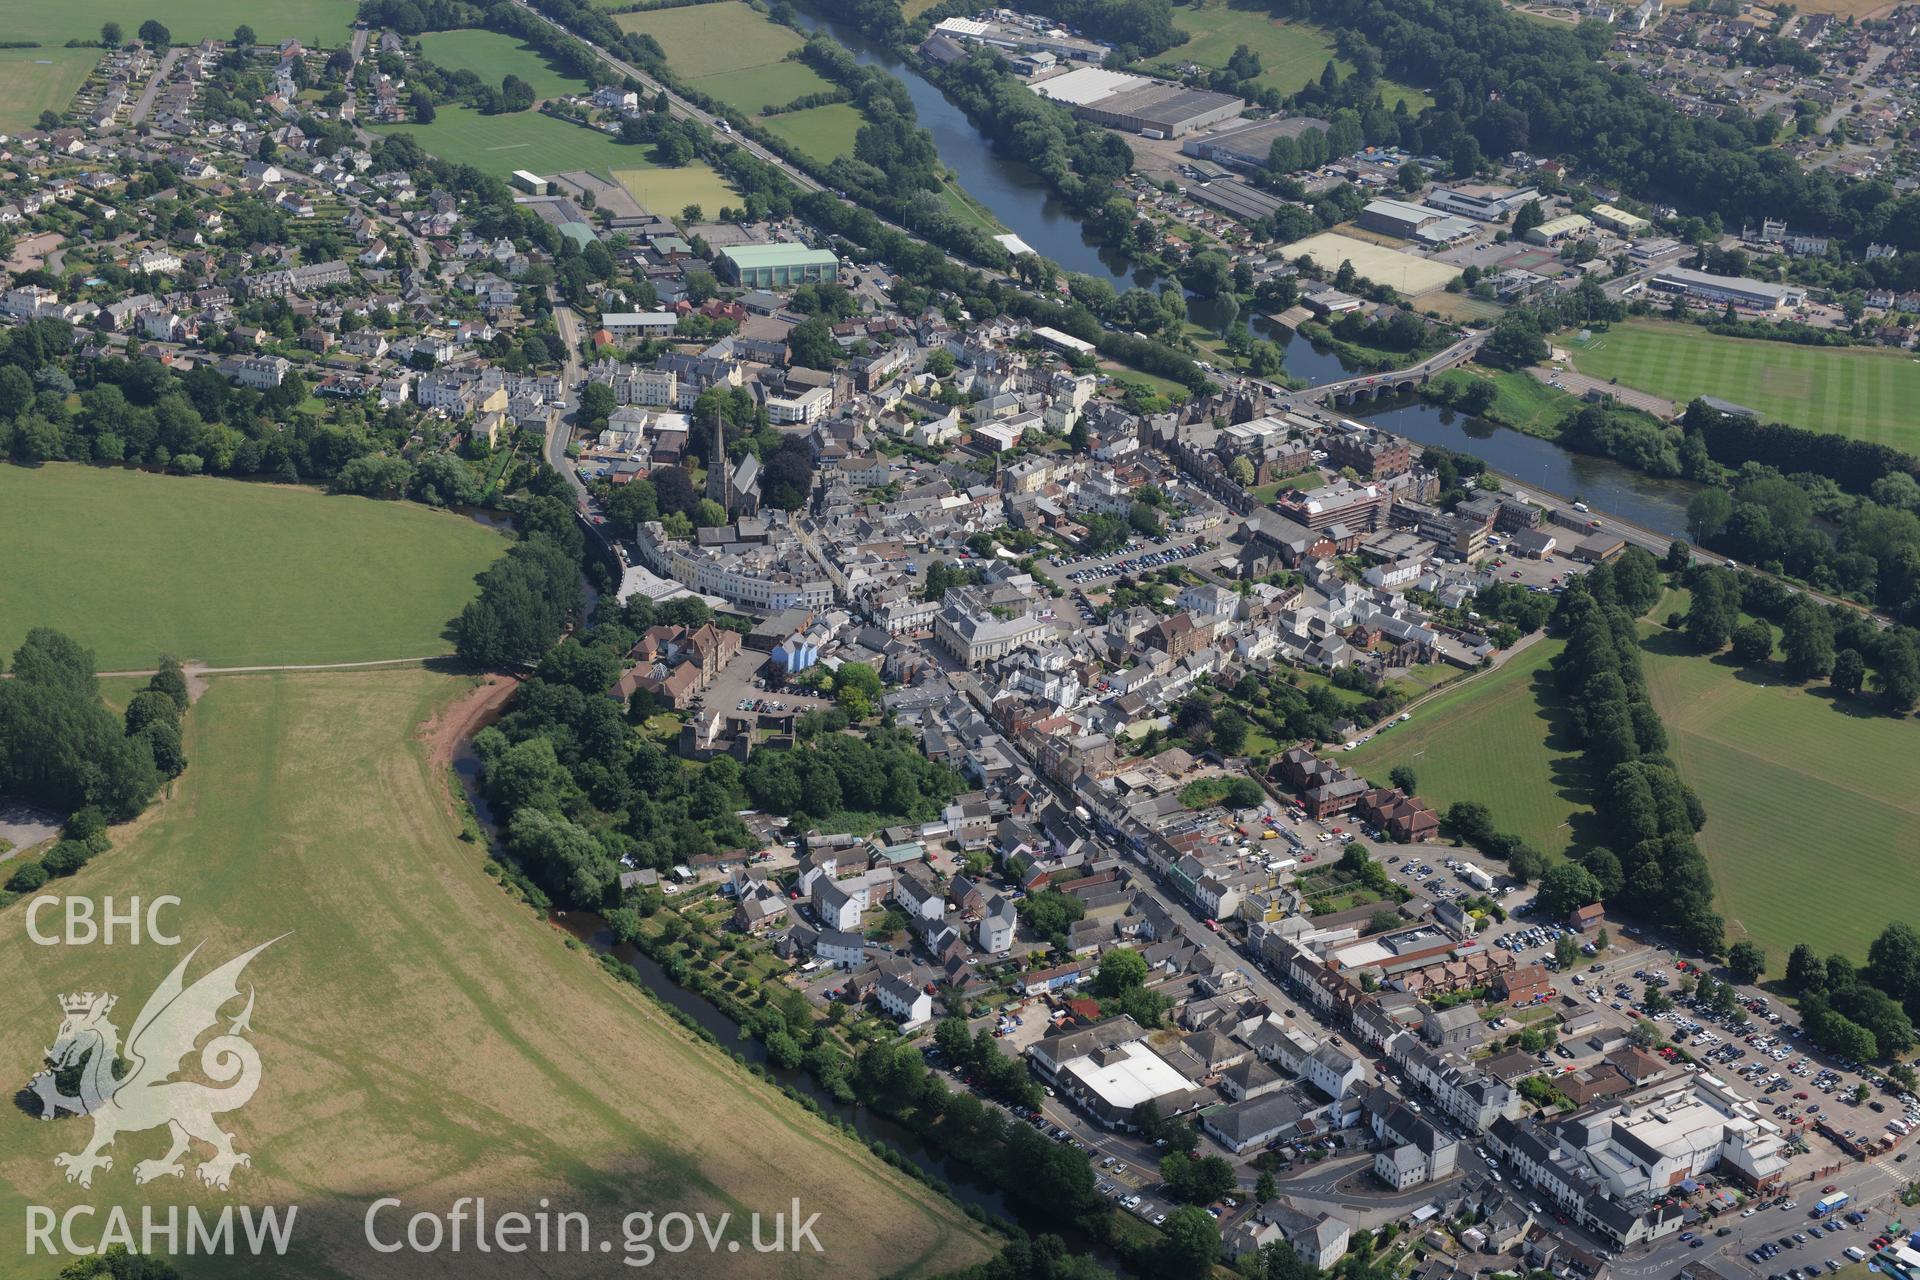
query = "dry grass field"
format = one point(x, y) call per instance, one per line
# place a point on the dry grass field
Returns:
point(1406, 272)
point(423, 1035)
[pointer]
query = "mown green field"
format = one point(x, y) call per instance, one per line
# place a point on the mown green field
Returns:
point(821, 132)
point(521, 140)
point(228, 572)
point(730, 51)
point(1813, 814)
point(668, 191)
point(1863, 393)
point(421, 1034)
point(1496, 739)
point(706, 39)
point(493, 57)
point(1291, 53)
point(36, 80)
point(756, 89)
point(324, 24)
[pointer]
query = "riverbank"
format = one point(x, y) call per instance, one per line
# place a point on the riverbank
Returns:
point(1651, 504)
point(862, 1079)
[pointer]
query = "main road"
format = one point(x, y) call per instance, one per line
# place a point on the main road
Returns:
point(560, 425)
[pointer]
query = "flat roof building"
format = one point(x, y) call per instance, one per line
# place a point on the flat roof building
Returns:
point(1483, 204)
point(531, 183)
point(1398, 218)
point(1554, 230)
point(1138, 104)
point(1064, 343)
point(1758, 295)
point(1619, 220)
point(1244, 145)
point(777, 266)
point(1109, 1070)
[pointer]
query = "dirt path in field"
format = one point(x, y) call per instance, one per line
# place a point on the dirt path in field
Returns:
point(197, 672)
point(466, 716)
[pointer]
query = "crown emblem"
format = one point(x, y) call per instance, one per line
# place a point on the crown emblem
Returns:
point(86, 1002)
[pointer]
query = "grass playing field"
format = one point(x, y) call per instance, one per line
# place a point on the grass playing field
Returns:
point(1859, 392)
point(324, 24)
point(668, 191)
point(821, 132)
point(1291, 53)
point(730, 51)
point(518, 140)
point(1812, 813)
point(36, 80)
point(422, 1036)
point(231, 573)
point(1496, 739)
point(493, 56)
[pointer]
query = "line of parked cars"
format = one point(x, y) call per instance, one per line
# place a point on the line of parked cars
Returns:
point(1132, 564)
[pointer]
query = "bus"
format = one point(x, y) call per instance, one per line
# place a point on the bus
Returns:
point(1827, 1204)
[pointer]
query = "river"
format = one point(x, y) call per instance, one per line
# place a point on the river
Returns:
point(1021, 201)
point(1640, 499)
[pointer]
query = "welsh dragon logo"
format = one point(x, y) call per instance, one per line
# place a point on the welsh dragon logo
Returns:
point(145, 1096)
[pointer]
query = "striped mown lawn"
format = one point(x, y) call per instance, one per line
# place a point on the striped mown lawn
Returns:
point(1864, 393)
point(1813, 814)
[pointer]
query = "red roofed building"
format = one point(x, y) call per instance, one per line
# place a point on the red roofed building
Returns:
point(1587, 918)
point(1523, 985)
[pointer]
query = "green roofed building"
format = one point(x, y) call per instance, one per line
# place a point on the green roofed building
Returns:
point(777, 266)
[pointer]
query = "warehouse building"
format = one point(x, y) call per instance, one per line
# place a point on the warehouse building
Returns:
point(777, 266)
point(1554, 230)
point(1138, 104)
point(1244, 145)
point(1698, 286)
point(1481, 203)
point(1398, 218)
point(1620, 221)
point(1031, 36)
point(1236, 199)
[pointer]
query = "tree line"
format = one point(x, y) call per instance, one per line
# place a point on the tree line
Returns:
point(63, 748)
point(529, 596)
point(1863, 1013)
point(1660, 876)
point(1817, 641)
